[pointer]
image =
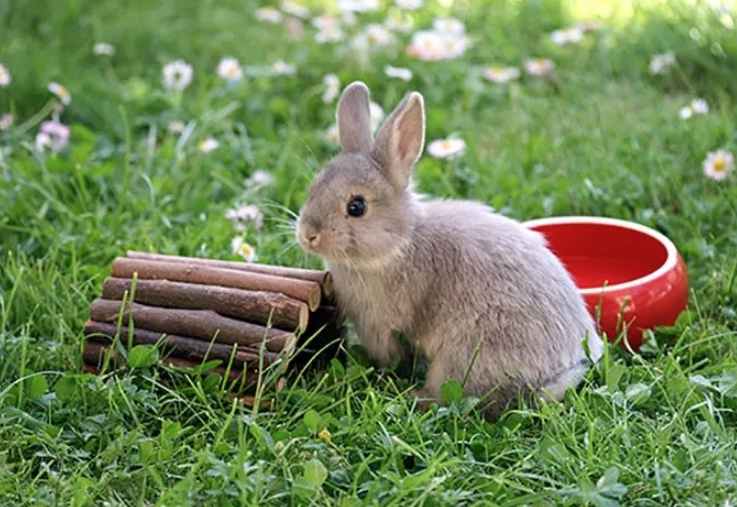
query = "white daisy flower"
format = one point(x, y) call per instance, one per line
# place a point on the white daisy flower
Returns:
point(398, 73)
point(446, 148)
point(208, 145)
point(52, 135)
point(377, 115)
point(229, 69)
point(501, 75)
point(239, 247)
point(177, 127)
point(332, 88)
point(660, 63)
point(258, 178)
point(280, 68)
point(455, 46)
point(325, 22)
point(103, 49)
point(685, 113)
point(718, 164)
point(268, 14)
point(331, 135)
point(247, 213)
point(177, 75)
point(378, 35)
point(295, 9)
point(427, 46)
point(539, 66)
point(566, 36)
point(329, 35)
point(295, 28)
point(6, 121)
point(699, 106)
point(449, 26)
point(61, 92)
point(409, 5)
point(5, 77)
point(358, 5)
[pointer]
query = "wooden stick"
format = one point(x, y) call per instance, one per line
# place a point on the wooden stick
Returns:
point(308, 292)
point(180, 346)
point(202, 324)
point(271, 308)
point(324, 278)
point(94, 353)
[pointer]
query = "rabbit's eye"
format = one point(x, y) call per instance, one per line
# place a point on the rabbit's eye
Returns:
point(356, 206)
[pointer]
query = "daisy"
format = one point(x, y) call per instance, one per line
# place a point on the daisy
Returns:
point(325, 22)
point(446, 148)
point(103, 49)
point(409, 5)
point(685, 113)
point(331, 135)
point(5, 77)
point(539, 66)
point(229, 69)
point(455, 46)
point(329, 35)
point(376, 114)
point(177, 75)
point(208, 145)
point(332, 88)
point(449, 26)
point(358, 5)
point(295, 9)
point(718, 164)
point(268, 14)
point(52, 135)
point(660, 63)
point(295, 28)
point(501, 75)
point(566, 36)
point(699, 106)
point(258, 178)
point(176, 127)
point(378, 36)
point(239, 247)
point(6, 121)
point(427, 45)
point(398, 73)
point(280, 68)
point(61, 92)
point(248, 213)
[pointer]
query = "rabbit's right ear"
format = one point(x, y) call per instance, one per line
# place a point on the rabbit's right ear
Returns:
point(354, 118)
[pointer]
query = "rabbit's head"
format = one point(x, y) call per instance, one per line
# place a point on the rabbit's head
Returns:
point(361, 208)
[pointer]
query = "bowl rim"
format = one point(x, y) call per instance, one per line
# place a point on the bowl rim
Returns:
point(670, 262)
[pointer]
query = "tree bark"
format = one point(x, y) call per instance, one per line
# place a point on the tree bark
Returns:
point(181, 346)
point(307, 291)
point(260, 307)
point(202, 324)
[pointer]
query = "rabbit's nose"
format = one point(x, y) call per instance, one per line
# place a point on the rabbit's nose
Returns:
point(310, 237)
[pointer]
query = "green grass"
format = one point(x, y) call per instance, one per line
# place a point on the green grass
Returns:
point(655, 428)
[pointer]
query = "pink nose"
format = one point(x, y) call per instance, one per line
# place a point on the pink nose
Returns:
point(310, 238)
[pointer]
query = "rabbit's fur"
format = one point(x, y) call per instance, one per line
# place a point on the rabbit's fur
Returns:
point(479, 294)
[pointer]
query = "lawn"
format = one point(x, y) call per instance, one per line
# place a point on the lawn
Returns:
point(152, 161)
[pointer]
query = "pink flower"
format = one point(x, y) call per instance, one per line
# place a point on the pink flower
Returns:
point(52, 135)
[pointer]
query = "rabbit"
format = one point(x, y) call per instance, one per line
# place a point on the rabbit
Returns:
point(480, 295)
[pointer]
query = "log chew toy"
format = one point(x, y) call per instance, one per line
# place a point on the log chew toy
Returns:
point(248, 316)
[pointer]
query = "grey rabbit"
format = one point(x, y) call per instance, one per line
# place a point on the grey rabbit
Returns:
point(479, 294)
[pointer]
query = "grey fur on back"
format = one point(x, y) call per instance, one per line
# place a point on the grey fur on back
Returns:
point(452, 276)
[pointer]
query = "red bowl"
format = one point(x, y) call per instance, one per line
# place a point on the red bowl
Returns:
point(633, 273)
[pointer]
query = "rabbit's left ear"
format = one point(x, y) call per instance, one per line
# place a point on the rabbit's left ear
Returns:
point(354, 118)
point(400, 141)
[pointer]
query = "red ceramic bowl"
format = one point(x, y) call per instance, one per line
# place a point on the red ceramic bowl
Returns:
point(634, 273)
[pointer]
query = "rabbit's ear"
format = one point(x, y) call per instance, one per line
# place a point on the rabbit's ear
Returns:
point(354, 118)
point(400, 141)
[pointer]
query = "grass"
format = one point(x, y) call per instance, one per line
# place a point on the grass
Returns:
point(654, 428)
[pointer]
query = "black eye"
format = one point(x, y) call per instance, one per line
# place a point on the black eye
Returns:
point(356, 206)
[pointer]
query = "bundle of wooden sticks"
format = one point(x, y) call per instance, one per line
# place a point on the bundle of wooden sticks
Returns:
point(248, 316)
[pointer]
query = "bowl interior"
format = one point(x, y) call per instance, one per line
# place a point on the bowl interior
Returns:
point(598, 254)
